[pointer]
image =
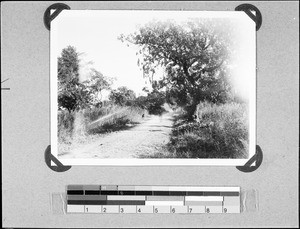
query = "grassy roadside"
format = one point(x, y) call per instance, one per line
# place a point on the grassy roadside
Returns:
point(83, 126)
point(219, 131)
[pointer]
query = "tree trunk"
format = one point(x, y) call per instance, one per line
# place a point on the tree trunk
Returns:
point(191, 111)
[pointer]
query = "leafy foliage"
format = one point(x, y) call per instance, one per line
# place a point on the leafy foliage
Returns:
point(155, 101)
point(73, 94)
point(96, 83)
point(122, 96)
point(194, 55)
point(70, 92)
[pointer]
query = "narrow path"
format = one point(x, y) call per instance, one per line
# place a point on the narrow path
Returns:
point(146, 139)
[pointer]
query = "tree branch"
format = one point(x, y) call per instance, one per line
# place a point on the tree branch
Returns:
point(188, 75)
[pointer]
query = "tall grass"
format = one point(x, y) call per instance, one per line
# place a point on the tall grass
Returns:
point(65, 121)
point(77, 126)
point(220, 131)
point(117, 118)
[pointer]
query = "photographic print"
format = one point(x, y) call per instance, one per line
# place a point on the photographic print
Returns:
point(138, 87)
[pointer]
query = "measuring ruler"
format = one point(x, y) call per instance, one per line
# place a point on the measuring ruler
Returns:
point(106, 199)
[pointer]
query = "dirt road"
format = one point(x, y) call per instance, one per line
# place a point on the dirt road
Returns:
point(146, 139)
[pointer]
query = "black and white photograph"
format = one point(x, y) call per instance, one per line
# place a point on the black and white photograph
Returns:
point(150, 114)
point(137, 87)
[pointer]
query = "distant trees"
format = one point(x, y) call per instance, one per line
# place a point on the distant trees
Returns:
point(73, 94)
point(122, 96)
point(96, 83)
point(153, 102)
point(194, 55)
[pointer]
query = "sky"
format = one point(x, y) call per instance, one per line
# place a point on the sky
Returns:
point(94, 33)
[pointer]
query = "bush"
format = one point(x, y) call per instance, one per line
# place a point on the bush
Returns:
point(220, 131)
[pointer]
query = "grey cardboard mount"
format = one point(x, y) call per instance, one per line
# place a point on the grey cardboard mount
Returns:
point(27, 182)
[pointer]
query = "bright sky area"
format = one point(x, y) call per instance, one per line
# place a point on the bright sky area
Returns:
point(95, 34)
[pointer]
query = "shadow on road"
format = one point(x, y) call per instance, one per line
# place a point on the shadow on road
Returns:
point(113, 127)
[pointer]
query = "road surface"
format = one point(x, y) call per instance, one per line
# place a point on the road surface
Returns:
point(141, 141)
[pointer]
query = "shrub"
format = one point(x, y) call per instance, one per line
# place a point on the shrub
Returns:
point(220, 131)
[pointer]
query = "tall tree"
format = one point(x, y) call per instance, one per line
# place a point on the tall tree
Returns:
point(194, 55)
point(71, 93)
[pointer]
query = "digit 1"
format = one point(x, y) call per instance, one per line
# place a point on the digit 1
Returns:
point(87, 209)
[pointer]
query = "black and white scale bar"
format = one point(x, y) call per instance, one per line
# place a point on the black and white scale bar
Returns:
point(152, 199)
point(150, 191)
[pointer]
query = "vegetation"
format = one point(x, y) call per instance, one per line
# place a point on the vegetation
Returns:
point(80, 126)
point(122, 96)
point(80, 104)
point(210, 121)
point(220, 131)
point(118, 117)
point(194, 55)
point(153, 102)
point(73, 94)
